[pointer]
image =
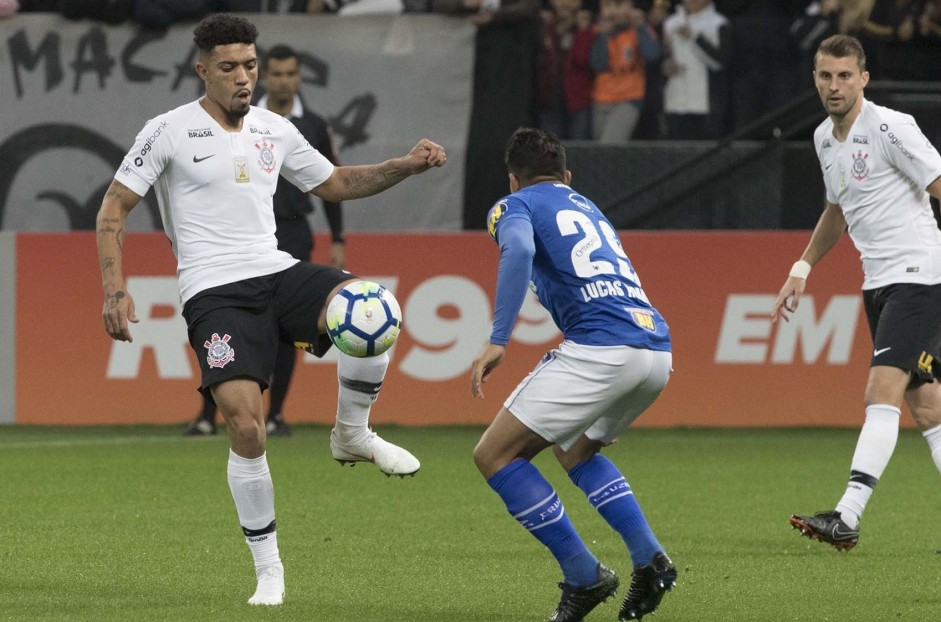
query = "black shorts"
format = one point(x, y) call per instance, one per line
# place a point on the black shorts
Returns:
point(905, 324)
point(235, 328)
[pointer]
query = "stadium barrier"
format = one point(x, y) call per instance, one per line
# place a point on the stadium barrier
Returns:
point(732, 367)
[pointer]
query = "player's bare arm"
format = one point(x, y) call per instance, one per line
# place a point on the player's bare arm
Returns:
point(356, 182)
point(118, 307)
point(934, 188)
point(483, 365)
point(827, 233)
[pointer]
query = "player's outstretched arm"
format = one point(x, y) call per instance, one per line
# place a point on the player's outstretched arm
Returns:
point(826, 234)
point(118, 307)
point(356, 182)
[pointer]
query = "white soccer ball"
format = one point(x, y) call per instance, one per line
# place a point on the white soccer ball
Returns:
point(363, 319)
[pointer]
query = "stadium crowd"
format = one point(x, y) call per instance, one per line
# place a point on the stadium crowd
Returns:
point(617, 70)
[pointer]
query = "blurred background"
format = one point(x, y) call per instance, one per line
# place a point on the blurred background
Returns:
point(712, 168)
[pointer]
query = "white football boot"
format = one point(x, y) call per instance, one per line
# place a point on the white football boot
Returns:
point(270, 590)
point(391, 459)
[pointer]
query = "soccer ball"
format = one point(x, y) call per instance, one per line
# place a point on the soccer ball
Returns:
point(363, 319)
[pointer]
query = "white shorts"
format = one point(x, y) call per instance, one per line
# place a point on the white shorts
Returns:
point(591, 390)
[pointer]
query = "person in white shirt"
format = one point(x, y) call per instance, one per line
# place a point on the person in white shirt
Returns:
point(878, 169)
point(214, 164)
point(696, 95)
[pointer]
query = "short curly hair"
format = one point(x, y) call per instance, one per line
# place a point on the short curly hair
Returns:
point(532, 153)
point(223, 29)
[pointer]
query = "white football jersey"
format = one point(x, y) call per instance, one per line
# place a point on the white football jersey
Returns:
point(878, 176)
point(214, 189)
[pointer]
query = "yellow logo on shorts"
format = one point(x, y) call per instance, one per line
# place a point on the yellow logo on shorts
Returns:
point(304, 345)
point(644, 320)
point(925, 361)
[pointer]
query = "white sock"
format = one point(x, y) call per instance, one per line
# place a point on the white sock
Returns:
point(253, 492)
point(360, 380)
point(933, 436)
point(873, 450)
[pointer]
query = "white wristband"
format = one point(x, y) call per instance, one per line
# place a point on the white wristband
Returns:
point(800, 269)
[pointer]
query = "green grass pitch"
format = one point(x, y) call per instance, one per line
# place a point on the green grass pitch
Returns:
point(138, 524)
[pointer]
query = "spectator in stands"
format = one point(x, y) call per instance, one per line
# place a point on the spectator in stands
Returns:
point(929, 27)
point(559, 26)
point(929, 24)
point(696, 96)
point(892, 30)
point(580, 77)
point(8, 8)
point(624, 43)
point(649, 126)
point(824, 19)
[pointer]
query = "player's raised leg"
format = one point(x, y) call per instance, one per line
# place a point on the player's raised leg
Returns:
point(502, 456)
point(352, 440)
point(249, 478)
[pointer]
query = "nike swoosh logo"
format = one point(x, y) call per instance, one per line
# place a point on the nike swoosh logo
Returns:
point(880, 351)
point(198, 160)
point(828, 167)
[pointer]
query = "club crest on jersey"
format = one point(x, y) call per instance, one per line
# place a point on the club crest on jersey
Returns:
point(496, 212)
point(860, 170)
point(220, 352)
point(580, 201)
point(266, 155)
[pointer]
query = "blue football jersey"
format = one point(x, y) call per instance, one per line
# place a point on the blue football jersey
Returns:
point(580, 272)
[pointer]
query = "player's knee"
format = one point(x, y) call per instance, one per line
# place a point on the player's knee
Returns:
point(488, 459)
point(246, 430)
point(886, 385)
point(482, 457)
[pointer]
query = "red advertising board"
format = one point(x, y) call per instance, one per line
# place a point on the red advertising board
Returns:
point(731, 366)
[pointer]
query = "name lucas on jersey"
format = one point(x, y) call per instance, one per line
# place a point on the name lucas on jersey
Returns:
point(602, 289)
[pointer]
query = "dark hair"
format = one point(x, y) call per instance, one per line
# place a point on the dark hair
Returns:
point(841, 46)
point(534, 153)
point(279, 52)
point(223, 29)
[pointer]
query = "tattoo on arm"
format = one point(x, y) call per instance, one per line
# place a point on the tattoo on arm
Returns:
point(107, 263)
point(113, 299)
point(364, 181)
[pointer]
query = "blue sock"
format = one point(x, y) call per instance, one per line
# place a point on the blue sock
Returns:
point(531, 500)
point(609, 493)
